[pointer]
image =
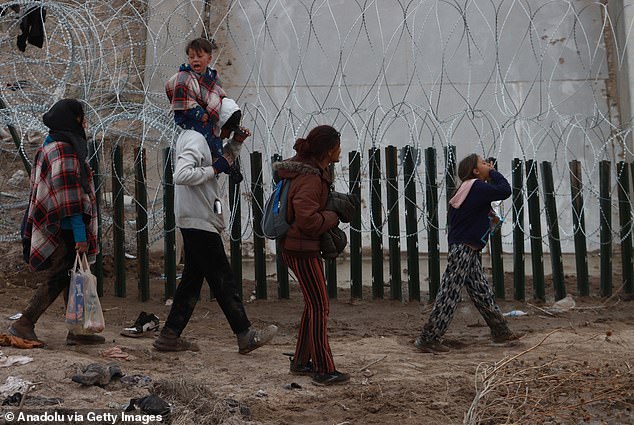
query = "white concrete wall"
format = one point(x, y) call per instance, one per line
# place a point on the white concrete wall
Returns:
point(512, 79)
point(621, 14)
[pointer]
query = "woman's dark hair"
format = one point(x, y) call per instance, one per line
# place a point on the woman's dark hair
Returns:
point(199, 45)
point(319, 141)
point(466, 167)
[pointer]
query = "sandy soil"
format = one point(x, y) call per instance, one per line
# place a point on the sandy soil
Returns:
point(572, 368)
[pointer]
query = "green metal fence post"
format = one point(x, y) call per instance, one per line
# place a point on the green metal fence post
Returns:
point(376, 222)
point(142, 237)
point(625, 216)
point(433, 243)
point(579, 228)
point(257, 188)
point(94, 165)
point(497, 265)
point(605, 228)
point(450, 175)
point(356, 267)
point(519, 278)
point(331, 263)
point(393, 226)
point(552, 221)
point(235, 246)
point(169, 225)
point(534, 219)
point(118, 222)
point(411, 222)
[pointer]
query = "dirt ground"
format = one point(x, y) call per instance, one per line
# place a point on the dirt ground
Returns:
point(572, 368)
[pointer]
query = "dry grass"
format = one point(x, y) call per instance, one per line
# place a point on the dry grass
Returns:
point(558, 390)
point(194, 403)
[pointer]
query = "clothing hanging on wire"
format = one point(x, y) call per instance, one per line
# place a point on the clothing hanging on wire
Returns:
point(32, 26)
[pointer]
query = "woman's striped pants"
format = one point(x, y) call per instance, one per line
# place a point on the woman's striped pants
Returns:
point(312, 340)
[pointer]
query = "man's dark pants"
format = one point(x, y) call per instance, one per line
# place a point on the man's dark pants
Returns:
point(205, 258)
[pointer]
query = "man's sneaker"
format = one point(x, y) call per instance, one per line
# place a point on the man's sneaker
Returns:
point(331, 378)
point(252, 339)
point(433, 347)
point(145, 324)
point(508, 339)
point(174, 343)
point(88, 339)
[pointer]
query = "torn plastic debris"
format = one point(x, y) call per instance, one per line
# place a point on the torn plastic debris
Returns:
point(8, 361)
point(14, 384)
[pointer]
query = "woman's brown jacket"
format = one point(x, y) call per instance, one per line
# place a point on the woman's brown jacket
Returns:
point(307, 198)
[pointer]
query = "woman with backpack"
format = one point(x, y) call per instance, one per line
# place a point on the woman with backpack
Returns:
point(313, 216)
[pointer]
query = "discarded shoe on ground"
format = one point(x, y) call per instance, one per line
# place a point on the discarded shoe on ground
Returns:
point(146, 324)
point(150, 404)
point(97, 374)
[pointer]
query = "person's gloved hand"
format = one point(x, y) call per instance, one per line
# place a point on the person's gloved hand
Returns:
point(332, 243)
point(240, 134)
point(221, 165)
point(344, 204)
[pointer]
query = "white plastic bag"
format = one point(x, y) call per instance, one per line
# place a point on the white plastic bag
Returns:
point(75, 307)
point(83, 312)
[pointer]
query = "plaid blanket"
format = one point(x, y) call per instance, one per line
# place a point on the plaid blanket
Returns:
point(187, 89)
point(57, 193)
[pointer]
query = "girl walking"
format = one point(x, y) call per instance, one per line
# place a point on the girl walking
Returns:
point(471, 220)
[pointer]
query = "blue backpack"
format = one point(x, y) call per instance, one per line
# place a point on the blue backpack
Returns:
point(274, 223)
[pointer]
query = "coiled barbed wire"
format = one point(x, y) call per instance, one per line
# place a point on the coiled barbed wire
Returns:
point(501, 78)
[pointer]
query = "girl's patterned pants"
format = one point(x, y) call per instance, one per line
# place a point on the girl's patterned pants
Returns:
point(464, 268)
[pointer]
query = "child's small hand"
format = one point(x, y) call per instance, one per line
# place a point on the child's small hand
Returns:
point(205, 117)
point(241, 134)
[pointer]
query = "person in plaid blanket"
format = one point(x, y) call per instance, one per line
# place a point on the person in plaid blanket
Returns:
point(195, 97)
point(62, 216)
